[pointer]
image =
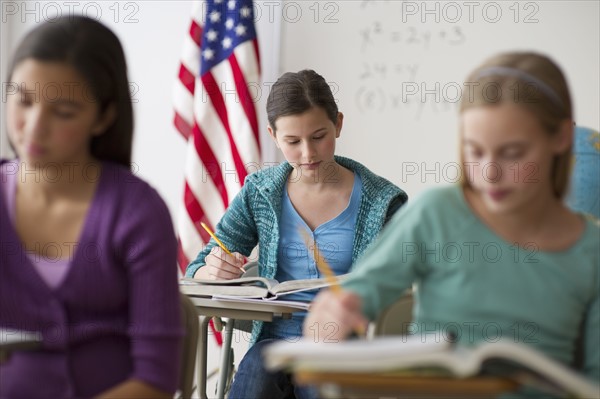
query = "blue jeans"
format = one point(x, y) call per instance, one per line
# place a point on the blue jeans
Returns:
point(253, 381)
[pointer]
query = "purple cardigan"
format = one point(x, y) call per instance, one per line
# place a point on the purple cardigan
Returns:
point(115, 316)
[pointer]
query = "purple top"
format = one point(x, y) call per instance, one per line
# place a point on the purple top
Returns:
point(115, 315)
point(52, 271)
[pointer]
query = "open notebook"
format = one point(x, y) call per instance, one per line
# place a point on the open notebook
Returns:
point(250, 287)
point(411, 356)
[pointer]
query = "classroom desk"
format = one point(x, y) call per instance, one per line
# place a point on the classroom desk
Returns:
point(207, 308)
point(14, 340)
point(368, 385)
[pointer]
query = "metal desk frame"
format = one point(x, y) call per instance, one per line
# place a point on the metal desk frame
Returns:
point(208, 308)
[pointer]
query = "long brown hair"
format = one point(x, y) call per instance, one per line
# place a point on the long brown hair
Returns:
point(96, 53)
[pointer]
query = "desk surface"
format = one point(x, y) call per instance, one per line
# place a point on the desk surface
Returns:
point(263, 311)
point(365, 384)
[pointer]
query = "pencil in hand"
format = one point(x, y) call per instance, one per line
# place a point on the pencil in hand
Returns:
point(325, 270)
point(214, 237)
point(219, 243)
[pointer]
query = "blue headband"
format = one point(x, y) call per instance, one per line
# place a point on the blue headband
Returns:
point(524, 76)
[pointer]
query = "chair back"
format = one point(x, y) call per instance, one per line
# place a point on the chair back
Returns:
point(584, 190)
point(396, 319)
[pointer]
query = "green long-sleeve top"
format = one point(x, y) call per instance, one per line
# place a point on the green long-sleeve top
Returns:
point(471, 282)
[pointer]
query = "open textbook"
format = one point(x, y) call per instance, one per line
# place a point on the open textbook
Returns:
point(250, 287)
point(409, 353)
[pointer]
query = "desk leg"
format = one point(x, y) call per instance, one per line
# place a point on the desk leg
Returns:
point(201, 356)
point(225, 360)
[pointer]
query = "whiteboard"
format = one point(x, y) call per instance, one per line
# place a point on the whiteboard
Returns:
point(397, 69)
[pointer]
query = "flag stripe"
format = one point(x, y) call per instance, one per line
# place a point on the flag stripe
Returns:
point(210, 163)
point(206, 117)
point(189, 60)
point(187, 79)
point(218, 336)
point(196, 33)
point(196, 212)
point(191, 242)
point(257, 55)
point(216, 97)
point(244, 96)
point(181, 258)
point(182, 126)
point(239, 125)
point(184, 104)
point(202, 185)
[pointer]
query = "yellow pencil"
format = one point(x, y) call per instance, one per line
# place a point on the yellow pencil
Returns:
point(223, 247)
point(325, 269)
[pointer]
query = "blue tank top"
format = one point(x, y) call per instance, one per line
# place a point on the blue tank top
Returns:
point(334, 239)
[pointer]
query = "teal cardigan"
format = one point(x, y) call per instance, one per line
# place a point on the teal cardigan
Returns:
point(253, 217)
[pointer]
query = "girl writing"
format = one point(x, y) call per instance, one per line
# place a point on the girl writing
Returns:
point(338, 201)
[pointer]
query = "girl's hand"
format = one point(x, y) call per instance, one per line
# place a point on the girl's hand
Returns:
point(332, 317)
point(221, 266)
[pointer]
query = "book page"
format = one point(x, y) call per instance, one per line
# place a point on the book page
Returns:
point(390, 354)
point(523, 357)
point(377, 355)
point(251, 287)
point(206, 290)
point(259, 281)
point(291, 286)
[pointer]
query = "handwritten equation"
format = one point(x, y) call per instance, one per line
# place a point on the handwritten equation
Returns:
point(371, 99)
point(376, 36)
point(387, 70)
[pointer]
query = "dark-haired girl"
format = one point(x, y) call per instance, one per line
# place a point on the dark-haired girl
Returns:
point(338, 201)
point(88, 251)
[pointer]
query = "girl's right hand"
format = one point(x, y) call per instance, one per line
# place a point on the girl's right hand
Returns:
point(334, 316)
point(221, 266)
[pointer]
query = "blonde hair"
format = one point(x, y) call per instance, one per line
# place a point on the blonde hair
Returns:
point(530, 80)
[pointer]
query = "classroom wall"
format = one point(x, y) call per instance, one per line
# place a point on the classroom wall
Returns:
point(397, 69)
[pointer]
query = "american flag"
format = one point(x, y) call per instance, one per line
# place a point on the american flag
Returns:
point(215, 112)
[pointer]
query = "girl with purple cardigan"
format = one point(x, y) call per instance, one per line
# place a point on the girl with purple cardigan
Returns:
point(78, 228)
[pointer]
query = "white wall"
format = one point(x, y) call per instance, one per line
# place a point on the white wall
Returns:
point(10, 32)
point(394, 66)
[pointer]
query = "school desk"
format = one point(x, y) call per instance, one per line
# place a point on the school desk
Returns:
point(208, 308)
